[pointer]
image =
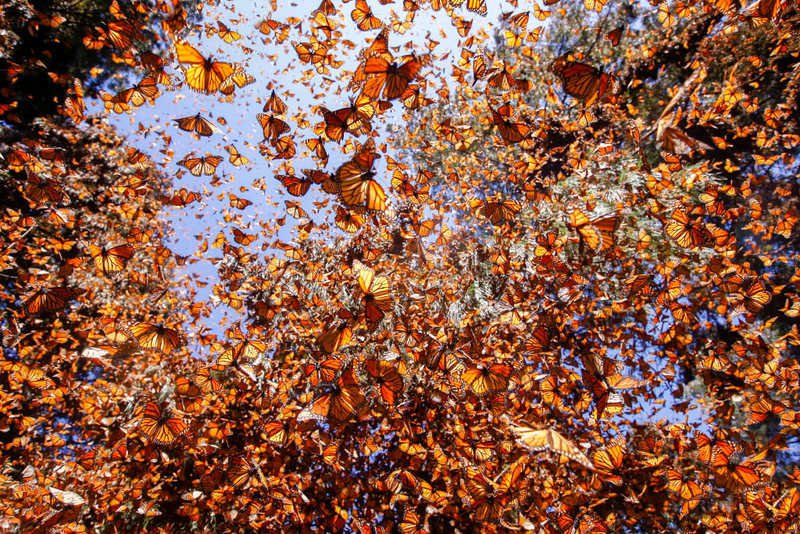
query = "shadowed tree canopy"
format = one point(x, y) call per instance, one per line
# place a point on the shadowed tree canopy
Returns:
point(325, 269)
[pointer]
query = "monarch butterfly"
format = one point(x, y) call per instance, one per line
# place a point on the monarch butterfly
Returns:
point(392, 79)
point(481, 497)
point(685, 232)
point(604, 377)
point(144, 91)
point(608, 461)
point(159, 426)
point(49, 299)
point(615, 35)
point(539, 340)
point(29, 376)
point(226, 34)
point(181, 198)
point(387, 378)
point(206, 381)
point(376, 300)
point(272, 127)
point(597, 233)
point(204, 75)
point(121, 33)
point(210, 481)
point(412, 523)
point(198, 124)
point(313, 53)
point(582, 81)
point(248, 349)
point(356, 185)
point(746, 293)
point(549, 439)
point(295, 186)
point(278, 431)
point(511, 131)
point(74, 105)
point(242, 471)
point(683, 485)
point(236, 158)
point(44, 191)
point(483, 380)
point(336, 337)
point(238, 79)
point(136, 156)
point(189, 395)
point(205, 165)
point(733, 476)
point(477, 451)
point(156, 337)
point(88, 459)
point(497, 211)
point(639, 284)
point(349, 220)
point(363, 17)
point(339, 402)
point(111, 260)
point(324, 371)
point(594, 5)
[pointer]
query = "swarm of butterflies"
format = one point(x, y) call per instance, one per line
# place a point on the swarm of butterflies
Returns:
point(479, 322)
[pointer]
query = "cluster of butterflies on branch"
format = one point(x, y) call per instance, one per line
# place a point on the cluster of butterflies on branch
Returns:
point(393, 370)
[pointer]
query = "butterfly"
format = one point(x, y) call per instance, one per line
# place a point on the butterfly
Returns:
point(278, 431)
point(238, 79)
point(512, 132)
point(349, 220)
point(204, 75)
point(205, 165)
point(603, 376)
point(235, 157)
point(159, 426)
point(680, 483)
point(144, 91)
point(197, 124)
point(615, 35)
point(581, 81)
point(338, 403)
point(189, 395)
point(497, 211)
point(549, 439)
point(363, 17)
point(386, 377)
point(391, 78)
point(376, 297)
point(226, 33)
point(111, 260)
point(608, 461)
point(242, 471)
point(206, 381)
point(155, 337)
point(272, 126)
point(685, 232)
point(29, 376)
point(477, 6)
point(356, 184)
point(597, 233)
point(49, 299)
point(745, 294)
point(482, 498)
point(487, 379)
point(336, 337)
point(247, 349)
point(323, 371)
point(734, 476)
